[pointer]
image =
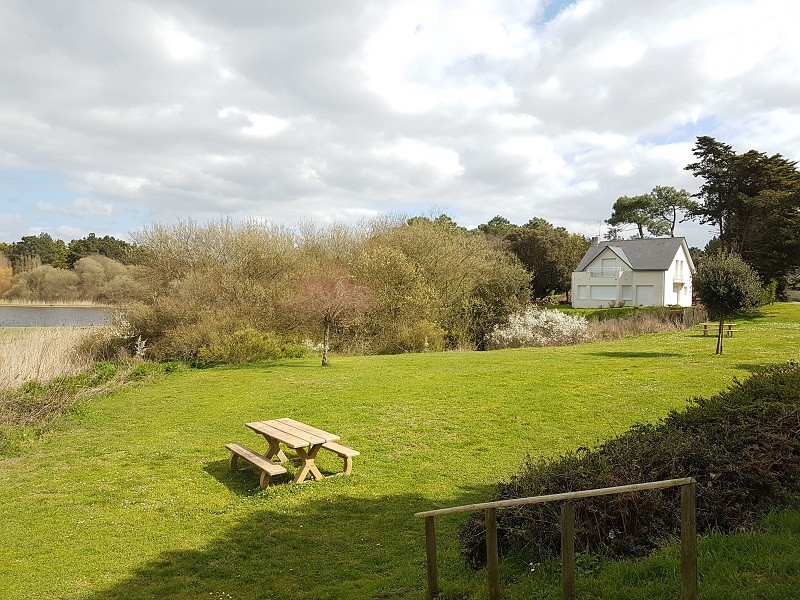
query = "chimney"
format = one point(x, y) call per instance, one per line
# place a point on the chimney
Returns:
point(595, 241)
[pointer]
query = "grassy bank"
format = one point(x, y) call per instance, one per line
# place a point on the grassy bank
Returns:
point(131, 497)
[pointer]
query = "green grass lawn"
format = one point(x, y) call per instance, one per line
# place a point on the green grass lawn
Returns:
point(131, 497)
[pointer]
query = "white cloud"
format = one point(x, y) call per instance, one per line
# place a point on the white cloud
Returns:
point(253, 123)
point(69, 233)
point(484, 106)
point(178, 44)
point(113, 184)
point(621, 52)
point(81, 207)
point(442, 161)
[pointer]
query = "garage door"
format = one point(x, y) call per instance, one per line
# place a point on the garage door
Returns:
point(644, 295)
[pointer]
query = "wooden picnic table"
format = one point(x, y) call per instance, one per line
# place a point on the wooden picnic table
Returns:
point(728, 328)
point(302, 438)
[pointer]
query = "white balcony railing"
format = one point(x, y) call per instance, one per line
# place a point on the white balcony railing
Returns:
point(608, 272)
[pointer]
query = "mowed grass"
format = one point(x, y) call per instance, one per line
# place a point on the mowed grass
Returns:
point(131, 496)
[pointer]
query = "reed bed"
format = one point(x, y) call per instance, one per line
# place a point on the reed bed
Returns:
point(64, 303)
point(635, 324)
point(41, 355)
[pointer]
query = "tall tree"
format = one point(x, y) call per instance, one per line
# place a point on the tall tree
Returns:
point(107, 246)
point(633, 210)
point(549, 254)
point(668, 204)
point(718, 192)
point(657, 211)
point(754, 202)
point(498, 226)
point(50, 251)
point(726, 285)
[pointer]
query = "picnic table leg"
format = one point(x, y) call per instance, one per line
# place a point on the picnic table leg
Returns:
point(275, 450)
point(308, 456)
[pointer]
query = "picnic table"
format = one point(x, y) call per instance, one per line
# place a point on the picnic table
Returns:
point(304, 439)
point(728, 328)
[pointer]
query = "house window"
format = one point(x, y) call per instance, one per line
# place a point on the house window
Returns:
point(603, 292)
point(583, 292)
point(608, 267)
point(626, 292)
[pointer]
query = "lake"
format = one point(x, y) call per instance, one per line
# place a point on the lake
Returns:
point(53, 316)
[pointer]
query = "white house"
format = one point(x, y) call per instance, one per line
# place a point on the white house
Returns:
point(648, 272)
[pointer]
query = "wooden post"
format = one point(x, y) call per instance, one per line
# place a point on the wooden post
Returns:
point(689, 587)
point(430, 550)
point(492, 554)
point(568, 550)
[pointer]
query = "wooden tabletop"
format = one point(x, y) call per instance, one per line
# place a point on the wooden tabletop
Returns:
point(293, 434)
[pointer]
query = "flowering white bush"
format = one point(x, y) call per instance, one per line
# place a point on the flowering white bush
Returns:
point(536, 327)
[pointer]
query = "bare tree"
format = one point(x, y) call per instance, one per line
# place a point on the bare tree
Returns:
point(330, 298)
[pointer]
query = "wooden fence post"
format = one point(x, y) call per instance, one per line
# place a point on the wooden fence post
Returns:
point(568, 550)
point(492, 554)
point(430, 551)
point(689, 587)
point(689, 584)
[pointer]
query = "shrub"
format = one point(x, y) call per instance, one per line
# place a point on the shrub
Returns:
point(536, 327)
point(102, 372)
point(112, 342)
point(45, 283)
point(742, 445)
point(145, 370)
point(421, 336)
point(769, 293)
point(646, 320)
point(245, 346)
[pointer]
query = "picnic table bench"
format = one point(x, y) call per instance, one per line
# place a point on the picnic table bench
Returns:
point(304, 439)
point(268, 468)
point(728, 328)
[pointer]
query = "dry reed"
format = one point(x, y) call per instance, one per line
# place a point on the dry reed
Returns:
point(614, 329)
point(60, 303)
point(41, 355)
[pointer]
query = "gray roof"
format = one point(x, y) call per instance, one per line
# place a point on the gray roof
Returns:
point(653, 254)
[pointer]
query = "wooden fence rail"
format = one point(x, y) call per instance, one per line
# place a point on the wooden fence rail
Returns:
point(689, 587)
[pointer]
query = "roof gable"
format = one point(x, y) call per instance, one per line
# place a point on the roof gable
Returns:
point(650, 254)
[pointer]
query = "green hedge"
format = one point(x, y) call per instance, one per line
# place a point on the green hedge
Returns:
point(742, 445)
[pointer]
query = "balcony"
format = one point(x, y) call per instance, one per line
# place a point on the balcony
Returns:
point(678, 278)
point(605, 272)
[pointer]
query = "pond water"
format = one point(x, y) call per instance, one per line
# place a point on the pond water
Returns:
point(53, 316)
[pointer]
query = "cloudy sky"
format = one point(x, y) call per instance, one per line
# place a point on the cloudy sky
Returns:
point(119, 113)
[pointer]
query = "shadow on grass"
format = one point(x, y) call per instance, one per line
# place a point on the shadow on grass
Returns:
point(242, 480)
point(753, 368)
point(652, 354)
point(323, 548)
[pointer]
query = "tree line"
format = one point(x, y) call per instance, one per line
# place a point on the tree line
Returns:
point(393, 284)
point(41, 268)
point(29, 265)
